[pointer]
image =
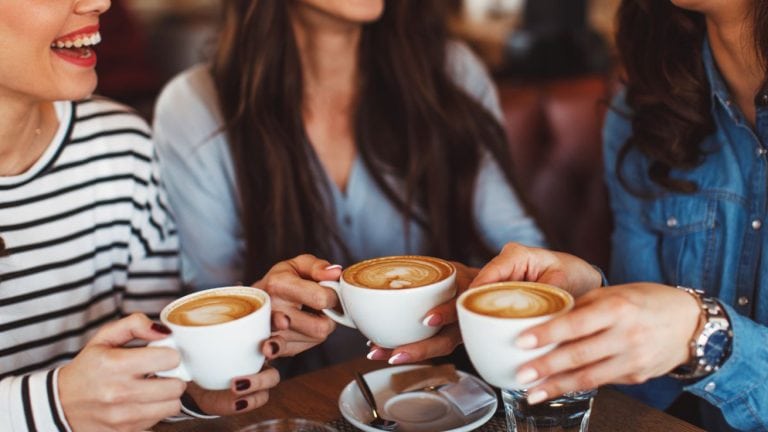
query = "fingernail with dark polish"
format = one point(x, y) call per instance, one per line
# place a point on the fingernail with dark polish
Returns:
point(275, 347)
point(241, 405)
point(161, 328)
point(242, 384)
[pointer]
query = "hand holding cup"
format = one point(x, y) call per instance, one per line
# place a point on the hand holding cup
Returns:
point(104, 386)
point(296, 299)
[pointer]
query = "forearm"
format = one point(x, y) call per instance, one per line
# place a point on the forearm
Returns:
point(31, 402)
point(739, 387)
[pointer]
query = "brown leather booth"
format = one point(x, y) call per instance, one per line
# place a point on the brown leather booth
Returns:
point(554, 129)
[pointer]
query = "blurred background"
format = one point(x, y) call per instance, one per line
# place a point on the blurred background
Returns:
point(552, 60)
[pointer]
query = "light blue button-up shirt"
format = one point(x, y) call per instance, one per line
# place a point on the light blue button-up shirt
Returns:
point(713, 240)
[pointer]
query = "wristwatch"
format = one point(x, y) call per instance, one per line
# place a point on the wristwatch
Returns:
point(711, 343)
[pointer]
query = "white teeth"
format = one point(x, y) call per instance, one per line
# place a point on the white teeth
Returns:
point(82, 41)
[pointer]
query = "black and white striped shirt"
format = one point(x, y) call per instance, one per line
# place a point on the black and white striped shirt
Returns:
point(89, 239)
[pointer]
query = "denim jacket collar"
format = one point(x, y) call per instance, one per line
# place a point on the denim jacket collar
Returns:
point(716, 82)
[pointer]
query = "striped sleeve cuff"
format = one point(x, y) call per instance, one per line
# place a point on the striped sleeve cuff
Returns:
point(31, 403)
point(189, 410)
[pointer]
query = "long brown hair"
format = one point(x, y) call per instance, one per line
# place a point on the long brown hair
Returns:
point(667, 88)
point(411, 122)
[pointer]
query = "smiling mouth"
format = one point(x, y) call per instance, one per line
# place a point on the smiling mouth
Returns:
point(77, 46)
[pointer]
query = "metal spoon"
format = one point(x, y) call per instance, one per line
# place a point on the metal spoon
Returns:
point(377, 422)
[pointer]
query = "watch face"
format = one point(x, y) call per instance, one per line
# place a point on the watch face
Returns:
point(715, 347)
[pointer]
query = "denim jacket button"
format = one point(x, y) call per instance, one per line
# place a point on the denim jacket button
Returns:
point(761, 151)
point(756, 224)
point(710, 387)
point(743, 301)
point(672, 222)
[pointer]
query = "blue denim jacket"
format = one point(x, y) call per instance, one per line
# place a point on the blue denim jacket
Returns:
point(712, 239)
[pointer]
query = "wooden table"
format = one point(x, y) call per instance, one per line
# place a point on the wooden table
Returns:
point(315, 396)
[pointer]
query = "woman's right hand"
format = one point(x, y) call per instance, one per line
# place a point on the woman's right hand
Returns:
point(297, 299)
point(522, 263)
point(105, 387)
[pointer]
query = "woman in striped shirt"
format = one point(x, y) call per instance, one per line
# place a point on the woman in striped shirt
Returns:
point(86, 240)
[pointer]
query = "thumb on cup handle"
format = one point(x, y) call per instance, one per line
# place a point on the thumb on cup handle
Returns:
point(180, 371)
point(341, 318)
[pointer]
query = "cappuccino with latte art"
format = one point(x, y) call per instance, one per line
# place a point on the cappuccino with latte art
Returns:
point(398, 272)
point(511, 300)
point(219, 333)
point(492, 316)
point(388, 298)
point(213, 309)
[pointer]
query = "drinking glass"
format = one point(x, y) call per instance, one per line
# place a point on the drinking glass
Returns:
point(567, 413)
point(288, 425)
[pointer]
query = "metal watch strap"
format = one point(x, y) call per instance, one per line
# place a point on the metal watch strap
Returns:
point(713, 319)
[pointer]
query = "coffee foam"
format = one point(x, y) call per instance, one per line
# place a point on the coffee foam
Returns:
point(516, 302)
point(398, 272)
point(213, 309)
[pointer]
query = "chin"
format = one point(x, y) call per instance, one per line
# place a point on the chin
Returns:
point(353, 11)
point(81, 90)
point(365, 11)
point(691, 5)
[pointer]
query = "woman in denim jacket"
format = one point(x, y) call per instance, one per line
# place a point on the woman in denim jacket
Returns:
point(686, 166)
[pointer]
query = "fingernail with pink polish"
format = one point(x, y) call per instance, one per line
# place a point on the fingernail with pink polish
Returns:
point(526, 342)
point(433, 320)
point(399, 358)
point(333, 267)
point(537, 397)
point(526, 376)
point(376, 354)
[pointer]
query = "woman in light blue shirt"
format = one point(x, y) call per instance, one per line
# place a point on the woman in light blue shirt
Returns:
point(348, 130)
point(686, 166)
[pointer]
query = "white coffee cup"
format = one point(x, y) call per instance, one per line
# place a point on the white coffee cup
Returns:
point(212, 355)
point(391, 317)
point(490, 340)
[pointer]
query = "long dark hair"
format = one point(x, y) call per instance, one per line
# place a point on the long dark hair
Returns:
point(411, 122)
point(667, 89)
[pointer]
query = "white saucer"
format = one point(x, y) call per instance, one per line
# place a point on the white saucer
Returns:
point(415, 412)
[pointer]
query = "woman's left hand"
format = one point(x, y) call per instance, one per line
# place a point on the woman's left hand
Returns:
point(245, 393)
point(445, 341)
point(625, 334)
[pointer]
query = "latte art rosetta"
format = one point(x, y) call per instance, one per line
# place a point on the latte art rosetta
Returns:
point(397, 272)
point(209, 310)
point(515, 302)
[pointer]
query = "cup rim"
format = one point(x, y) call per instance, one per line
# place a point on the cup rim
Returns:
point(260, 293)
point(570, 301)
point(450, 276)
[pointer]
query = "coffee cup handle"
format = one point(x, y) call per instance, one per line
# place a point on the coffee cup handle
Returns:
point(179, 371)
point(341, 318)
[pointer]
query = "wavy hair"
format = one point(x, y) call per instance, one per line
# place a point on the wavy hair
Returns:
point(667, 89)
point(411, 122)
